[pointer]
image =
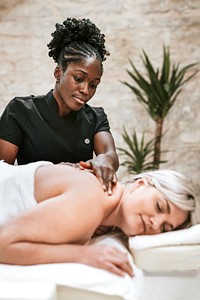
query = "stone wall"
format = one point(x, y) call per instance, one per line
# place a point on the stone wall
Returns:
point(129, 26)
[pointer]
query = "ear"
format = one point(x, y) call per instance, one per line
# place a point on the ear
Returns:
point(57, 73)
point(141, 182)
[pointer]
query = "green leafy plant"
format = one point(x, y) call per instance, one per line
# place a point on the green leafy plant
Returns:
point(158, 91)
point(139, 153)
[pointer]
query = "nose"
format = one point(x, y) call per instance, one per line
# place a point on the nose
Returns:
point(84, 88)
point(156, 223)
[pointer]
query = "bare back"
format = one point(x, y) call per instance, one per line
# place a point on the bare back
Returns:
point(71, 205)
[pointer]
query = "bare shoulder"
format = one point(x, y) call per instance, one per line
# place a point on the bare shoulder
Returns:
point(75, 194)
point(51, 181)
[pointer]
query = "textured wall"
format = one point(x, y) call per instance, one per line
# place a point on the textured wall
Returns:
point(129, 26)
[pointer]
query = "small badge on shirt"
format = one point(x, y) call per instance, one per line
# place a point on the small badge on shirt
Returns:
point(87, 141)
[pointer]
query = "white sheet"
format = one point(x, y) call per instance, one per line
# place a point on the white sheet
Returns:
point(80, 276)
point(18, 290)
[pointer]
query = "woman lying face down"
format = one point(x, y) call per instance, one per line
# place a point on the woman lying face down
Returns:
point(70, 204)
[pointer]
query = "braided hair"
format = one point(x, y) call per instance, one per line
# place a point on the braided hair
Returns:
point(75, 40)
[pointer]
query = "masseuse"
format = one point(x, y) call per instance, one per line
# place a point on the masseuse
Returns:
point(60, 126)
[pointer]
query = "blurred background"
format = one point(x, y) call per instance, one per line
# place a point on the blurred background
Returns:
point(130, 26)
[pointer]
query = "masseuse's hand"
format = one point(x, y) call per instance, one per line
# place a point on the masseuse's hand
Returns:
point(103, 170)
point(106, 257)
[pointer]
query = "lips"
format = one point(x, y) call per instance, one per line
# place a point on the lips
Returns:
point(144, 225)
point(79, 100)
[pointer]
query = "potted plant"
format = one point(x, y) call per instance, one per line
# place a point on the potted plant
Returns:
point(139, 153)
point(157, 91)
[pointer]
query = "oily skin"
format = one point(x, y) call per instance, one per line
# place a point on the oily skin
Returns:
point(76, 85)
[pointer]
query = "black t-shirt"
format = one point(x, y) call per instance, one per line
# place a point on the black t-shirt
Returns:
point(34, 125)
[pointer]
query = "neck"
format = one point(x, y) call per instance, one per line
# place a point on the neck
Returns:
point(116, 217)
point(63, 110)
point(115, 214)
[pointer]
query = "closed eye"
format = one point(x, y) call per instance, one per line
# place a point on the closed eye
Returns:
point(166, 227)
point(158, 207)
point(163, 228)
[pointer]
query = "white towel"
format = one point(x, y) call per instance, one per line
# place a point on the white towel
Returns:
point(189, 236)
point(17, 188)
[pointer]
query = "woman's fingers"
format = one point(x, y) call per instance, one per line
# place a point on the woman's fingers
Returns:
point(121, 261)
point(109, 258)
point(105, 173)
point(106, 176)
point(85, 165)
point(119, 265)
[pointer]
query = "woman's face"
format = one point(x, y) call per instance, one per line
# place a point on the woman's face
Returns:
point(146, 211)
point(77, 84)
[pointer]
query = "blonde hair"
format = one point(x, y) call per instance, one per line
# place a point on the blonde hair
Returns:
point(174, 186)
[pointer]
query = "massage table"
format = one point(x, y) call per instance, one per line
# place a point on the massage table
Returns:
point(166, 267)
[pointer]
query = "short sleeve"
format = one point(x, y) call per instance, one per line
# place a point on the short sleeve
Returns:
point(11, 123)
point(102, 123)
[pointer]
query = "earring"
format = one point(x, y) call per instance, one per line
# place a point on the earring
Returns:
point(57, 80)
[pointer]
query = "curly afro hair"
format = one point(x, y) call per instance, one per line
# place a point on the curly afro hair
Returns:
point(77, 37)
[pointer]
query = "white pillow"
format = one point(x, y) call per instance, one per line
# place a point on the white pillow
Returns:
point(167, 252)
point(188, 236)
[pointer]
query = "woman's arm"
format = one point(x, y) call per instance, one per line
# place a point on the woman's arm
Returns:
point(100, 256)
point(8, 151)
point(69, 217)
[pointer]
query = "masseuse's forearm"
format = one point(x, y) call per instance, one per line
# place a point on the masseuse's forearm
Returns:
point(104, 148)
